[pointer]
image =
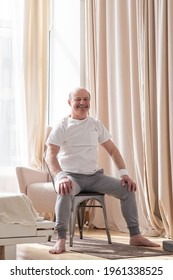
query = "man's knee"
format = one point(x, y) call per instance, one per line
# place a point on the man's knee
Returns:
point(127, 194)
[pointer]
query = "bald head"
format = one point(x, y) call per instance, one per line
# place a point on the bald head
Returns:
point(78, 90)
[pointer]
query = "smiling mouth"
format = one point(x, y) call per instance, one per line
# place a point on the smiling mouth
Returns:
point(82, 106)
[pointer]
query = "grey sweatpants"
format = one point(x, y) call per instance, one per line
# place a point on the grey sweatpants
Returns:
point(97, 182)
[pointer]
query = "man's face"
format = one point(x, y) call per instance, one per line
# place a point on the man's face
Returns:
point(80, 104)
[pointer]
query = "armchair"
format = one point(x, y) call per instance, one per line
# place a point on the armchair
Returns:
point(37, 185)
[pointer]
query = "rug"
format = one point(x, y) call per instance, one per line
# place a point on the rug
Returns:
point(100, 248)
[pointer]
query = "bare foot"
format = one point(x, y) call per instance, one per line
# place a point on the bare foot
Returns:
point(139, 240)
point(59, 247)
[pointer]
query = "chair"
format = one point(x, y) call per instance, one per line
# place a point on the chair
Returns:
point(79, 203)
point(38, 186)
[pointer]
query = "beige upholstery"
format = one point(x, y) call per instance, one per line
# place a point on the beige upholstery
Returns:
point(36, 185)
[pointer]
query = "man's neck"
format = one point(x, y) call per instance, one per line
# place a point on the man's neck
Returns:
point(80, 118)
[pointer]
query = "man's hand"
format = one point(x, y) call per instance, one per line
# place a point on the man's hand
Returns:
point(131, 185)
point(63, 186)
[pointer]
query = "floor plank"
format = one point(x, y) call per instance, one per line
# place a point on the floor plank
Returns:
point(40, 252)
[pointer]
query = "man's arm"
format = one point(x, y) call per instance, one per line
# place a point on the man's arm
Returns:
point(51, 159)
point(120, 164)
point(63, 184)
point(115, 154)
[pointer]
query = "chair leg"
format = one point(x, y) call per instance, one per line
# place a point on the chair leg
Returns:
point(106, 223)
point(81, 218)
point(49, 238)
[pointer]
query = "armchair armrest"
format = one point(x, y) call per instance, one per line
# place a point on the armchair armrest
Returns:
point(28, 176)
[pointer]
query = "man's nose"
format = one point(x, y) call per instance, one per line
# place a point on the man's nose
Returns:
point(82, 101)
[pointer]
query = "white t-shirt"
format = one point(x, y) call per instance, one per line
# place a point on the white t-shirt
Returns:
point(78, 141)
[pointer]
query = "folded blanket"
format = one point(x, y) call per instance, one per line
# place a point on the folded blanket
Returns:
point(17, 209)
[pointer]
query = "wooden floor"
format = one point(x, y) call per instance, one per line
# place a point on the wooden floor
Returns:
point(40, 252)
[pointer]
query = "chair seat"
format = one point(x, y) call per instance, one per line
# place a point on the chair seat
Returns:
point(89, 194)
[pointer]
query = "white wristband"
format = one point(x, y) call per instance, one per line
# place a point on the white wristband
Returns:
point(123, 172)
point(60, 175)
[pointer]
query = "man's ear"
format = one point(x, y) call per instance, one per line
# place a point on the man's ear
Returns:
point(69, 102)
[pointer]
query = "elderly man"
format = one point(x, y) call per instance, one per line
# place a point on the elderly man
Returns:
point(72, 160)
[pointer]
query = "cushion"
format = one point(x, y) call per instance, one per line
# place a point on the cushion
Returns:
point(42, 196)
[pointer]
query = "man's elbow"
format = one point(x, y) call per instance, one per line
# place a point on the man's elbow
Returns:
point(51, 153)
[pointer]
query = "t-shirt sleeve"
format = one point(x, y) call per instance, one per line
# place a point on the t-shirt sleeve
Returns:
point(57, 136)
point(103, 133)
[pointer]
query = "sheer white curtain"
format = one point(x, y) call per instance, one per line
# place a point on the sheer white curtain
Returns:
point(13, 136)
point(24, 85)
point(35, 52)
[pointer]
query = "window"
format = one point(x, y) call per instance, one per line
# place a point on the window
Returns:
point(66, 66)
point(7, 120)
point(10, 90)
point(66, 35)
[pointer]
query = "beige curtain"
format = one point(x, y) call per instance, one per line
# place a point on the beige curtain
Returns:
point(129, 73)
point(158, 116)
point(36, 29)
